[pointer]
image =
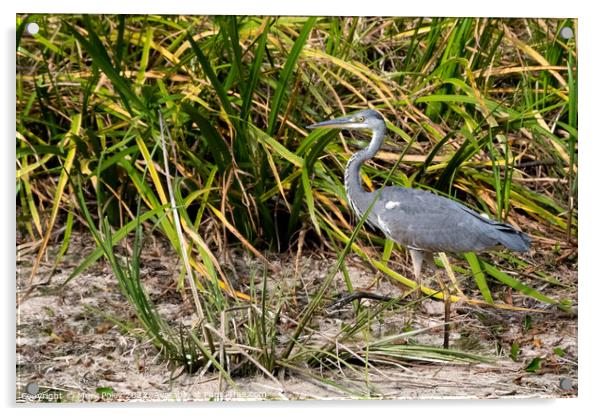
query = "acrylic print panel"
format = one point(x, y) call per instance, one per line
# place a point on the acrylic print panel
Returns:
point(182, 235)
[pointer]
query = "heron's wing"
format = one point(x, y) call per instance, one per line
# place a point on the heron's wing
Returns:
point(426, 221)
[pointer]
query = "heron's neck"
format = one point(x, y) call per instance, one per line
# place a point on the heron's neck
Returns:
point(353, 182)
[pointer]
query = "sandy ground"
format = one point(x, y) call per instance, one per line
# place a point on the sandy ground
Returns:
point(69, 352)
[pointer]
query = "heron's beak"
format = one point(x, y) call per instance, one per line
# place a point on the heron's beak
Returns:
point(337, 123)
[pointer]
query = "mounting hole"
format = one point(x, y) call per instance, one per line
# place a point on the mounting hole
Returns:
point(566, 33)
point(33, 28)
point(566, 383)
point(32, 388)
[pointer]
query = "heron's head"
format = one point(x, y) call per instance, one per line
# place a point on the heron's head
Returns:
point(365, 119)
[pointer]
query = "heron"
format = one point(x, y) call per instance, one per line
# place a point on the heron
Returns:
point(423, 222)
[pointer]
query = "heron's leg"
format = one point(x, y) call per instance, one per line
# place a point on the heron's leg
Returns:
point(418, 256)
point(447, 305)
point(430, 260)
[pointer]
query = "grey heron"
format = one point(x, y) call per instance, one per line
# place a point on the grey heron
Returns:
point(423, 222)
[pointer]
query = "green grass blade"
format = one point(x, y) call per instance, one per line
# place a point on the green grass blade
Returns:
point(479, 276)
point(286, 73)
point(100, 57)
point(309, 199)
point(210, 74)
point(117, 236)
point(215, 143)
point(255, 74)
point(515, 284)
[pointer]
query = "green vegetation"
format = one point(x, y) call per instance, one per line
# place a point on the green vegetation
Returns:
point(481, 110)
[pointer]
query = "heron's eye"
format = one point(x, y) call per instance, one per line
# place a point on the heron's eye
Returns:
point(361, 119)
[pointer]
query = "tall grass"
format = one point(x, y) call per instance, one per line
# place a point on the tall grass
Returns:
point(487, 109)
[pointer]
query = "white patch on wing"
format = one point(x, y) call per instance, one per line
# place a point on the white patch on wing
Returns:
point(392, 204)
point(484, 215)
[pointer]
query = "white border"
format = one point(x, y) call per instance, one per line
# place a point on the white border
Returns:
point(507, 8)
point(590, 106)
